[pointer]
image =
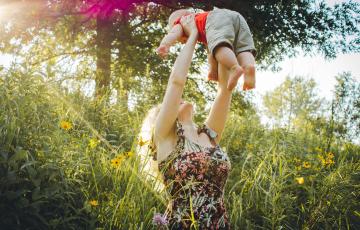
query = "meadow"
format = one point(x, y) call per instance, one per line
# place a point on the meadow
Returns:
point(66, 165)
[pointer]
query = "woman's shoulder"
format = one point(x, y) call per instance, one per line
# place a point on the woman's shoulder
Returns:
point(160, 138)
point(165, 147)
point(165, 144)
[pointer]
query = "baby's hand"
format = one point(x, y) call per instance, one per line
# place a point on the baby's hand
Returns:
point(188, 24)
point(163, 50)
point(183, 39)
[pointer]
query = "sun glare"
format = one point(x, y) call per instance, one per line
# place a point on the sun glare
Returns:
point(3, 11)
point(8, 10)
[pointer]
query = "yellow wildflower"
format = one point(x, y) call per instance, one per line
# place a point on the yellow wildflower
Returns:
point(93, 203)
point(306, 164)
point(330, 161)
point(93, 143)
point(115, 162)
point(300, 180)
point(120, 157)
point(65, 125)
point(141, 142)
point(322, 160)
point(129, 154)
point(330, 155)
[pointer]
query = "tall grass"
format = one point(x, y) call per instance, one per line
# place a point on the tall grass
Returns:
point(282, 182)
point(83, 177)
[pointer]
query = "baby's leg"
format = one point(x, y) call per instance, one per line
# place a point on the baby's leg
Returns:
point(247, 61)
point(213, 68)
point(226, 56)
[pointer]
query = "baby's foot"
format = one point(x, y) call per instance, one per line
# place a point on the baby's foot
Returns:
point(213, 75)
point(249, 78)
point(235, 72)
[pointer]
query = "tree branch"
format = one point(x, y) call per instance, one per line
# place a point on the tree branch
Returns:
point(59, 55)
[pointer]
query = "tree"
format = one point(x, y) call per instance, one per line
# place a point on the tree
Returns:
point(120, 47)
point(295, 100)
point(346, 106)
point(278, 26)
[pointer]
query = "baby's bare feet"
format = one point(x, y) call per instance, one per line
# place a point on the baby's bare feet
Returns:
point(249, 77)
point(235, 73)
point(213, 76)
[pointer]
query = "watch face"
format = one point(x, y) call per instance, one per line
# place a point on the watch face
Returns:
point(212, 134)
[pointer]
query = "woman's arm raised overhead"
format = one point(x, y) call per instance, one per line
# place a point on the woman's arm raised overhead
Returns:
point(221, 106)
point(171, 102)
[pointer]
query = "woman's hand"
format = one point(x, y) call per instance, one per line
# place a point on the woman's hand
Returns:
point(223, 80)
point(189, 25)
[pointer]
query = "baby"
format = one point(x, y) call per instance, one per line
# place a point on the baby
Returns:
point(228, 40)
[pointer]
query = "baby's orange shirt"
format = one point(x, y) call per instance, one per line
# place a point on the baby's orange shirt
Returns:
point(200, 20)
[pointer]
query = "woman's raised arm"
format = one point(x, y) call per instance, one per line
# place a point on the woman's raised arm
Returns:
point(165, 122)
point(221, 106)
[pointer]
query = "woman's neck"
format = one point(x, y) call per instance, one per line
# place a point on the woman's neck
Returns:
point(189, 125)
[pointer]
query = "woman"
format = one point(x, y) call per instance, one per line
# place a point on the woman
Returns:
point(193, 166)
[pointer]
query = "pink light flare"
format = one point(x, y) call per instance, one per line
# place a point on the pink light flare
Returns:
point(105, 8)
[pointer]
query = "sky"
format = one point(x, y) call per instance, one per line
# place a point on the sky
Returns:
point(321, 70)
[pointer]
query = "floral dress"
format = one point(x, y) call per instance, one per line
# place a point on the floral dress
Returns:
point(195, 177)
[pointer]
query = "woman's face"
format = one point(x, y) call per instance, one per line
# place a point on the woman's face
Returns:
point(186, 111)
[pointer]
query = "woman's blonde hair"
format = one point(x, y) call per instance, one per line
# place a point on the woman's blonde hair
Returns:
point(147, 150)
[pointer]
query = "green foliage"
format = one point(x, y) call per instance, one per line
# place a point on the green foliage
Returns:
point(57, 167)
point(294, 99)
point(34, 192)
point(117, 52)
point(263, 189)
point(346, 105)
point(56, 151)
point(279, 27)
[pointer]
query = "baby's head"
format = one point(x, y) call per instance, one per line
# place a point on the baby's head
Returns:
point(175, 15)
